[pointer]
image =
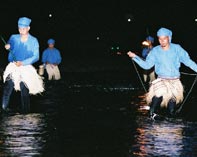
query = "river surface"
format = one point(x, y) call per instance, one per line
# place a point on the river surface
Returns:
point(80, 116)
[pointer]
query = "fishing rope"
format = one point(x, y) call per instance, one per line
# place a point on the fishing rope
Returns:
point(188, 73)
point(3, 40)
point(139, 76)
point(181, 106)
point(14, 58)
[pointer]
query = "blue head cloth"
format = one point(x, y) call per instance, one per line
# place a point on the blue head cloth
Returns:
point(51, 41)
point(165, 32)
point(24, 22)
point(149, 38)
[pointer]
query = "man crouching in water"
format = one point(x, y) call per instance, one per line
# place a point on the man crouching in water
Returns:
point(167, 90)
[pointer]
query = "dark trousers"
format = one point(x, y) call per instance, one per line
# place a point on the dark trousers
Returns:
point(25, 99)
point(155, 105)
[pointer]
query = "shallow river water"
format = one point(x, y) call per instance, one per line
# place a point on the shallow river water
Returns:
point(81, 117)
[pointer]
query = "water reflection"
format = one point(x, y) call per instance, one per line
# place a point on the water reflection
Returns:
point(94, 119)
point(159, 139)
point(22, 135)
point(166, 137)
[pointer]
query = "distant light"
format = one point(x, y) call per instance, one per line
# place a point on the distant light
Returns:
point(129, 17)
point(50, 15)
point(195, 20)
point(97, 38)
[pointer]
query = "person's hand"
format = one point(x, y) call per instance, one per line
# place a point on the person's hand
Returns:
point(7, 46)
point(18, 63)
point(131, 54)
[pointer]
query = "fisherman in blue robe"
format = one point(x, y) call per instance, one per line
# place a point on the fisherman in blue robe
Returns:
point(167, 90)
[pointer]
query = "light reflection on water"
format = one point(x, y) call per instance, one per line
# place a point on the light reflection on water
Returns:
point(166, 137)
point(22, 135)
point(94, 119)
point(159, 139)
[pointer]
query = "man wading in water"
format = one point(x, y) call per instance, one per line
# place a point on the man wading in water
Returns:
point(19, 73)
point(167, 90)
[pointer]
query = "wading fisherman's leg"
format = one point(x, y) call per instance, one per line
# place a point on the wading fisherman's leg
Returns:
point(7, 91)
point(49, 70)
point(152, 76)
point(57, 75)
point(155, 104)
point(171, 107)
point(25, 99)
point(145, 77)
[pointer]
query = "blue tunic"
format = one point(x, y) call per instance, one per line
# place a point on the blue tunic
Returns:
point(167, 62)
point(27, 52)
point(51, 56)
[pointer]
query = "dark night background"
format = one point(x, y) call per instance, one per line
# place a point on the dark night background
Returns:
point(97, 108)
point(76, 25)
